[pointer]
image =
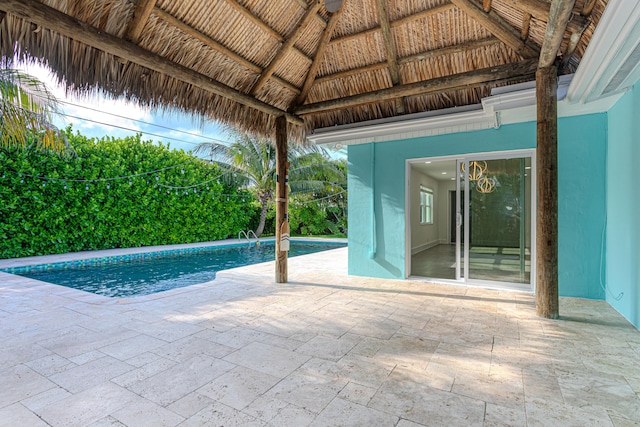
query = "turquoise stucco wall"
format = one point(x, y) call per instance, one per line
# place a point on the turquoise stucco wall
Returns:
point(581, 158)
point(623, 206)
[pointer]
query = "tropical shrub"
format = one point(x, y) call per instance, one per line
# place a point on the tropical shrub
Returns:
point(251, 162)
point(105, 197)
point(322, 211)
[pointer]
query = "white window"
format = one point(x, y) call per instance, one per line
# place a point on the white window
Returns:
point(426, 205)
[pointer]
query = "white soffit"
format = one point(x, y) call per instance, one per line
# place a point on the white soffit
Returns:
point(404, 127)
point(611, 63)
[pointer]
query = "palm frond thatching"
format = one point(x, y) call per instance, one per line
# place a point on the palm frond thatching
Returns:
point(244, 62)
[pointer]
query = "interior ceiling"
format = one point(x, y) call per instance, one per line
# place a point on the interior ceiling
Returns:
point(246, 62)
point(442, 170)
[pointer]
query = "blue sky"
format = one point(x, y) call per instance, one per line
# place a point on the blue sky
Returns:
point(98, 116)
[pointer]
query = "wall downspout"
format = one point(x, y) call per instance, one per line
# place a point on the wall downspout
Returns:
point(373, 247)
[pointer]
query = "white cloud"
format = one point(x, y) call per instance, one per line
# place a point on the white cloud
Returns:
point(98, 116)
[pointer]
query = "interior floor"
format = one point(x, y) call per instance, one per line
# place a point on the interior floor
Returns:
point(486, 263)
point(436, 262)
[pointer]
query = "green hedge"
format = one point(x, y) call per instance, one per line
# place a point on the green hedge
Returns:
point(47, 216)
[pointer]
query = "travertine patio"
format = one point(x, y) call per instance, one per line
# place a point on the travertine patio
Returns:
point(324, 350)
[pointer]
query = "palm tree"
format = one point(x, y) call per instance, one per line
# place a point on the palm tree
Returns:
point(26, 106)
point(252, 164)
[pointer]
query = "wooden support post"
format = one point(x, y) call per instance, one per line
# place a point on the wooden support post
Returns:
point(547, 225)
point(281, 196)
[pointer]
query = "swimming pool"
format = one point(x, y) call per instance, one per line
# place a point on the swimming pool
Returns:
point(147, 273)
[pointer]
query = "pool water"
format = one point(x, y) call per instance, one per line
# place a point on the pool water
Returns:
point(148, 273)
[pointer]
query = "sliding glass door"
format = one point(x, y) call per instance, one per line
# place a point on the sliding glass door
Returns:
point(497, 219)
point(489, 213)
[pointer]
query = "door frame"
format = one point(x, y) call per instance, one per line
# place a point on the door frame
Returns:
point(461, 158)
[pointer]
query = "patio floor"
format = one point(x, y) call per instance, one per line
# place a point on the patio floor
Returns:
point(325, 349)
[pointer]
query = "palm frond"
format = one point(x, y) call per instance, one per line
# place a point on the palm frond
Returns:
point(26, 105)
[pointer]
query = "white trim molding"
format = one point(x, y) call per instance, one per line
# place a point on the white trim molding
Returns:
point(611, 63)
point(411, 126)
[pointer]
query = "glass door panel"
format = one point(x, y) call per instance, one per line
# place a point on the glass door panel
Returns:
point(498, 219)
point(459, 217)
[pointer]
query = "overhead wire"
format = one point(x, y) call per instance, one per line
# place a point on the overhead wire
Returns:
point(126, 128)
point(140, 121)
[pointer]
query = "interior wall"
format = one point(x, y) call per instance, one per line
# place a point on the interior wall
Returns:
point(423, 236)
point(581, 175)
point(444, 209)
point(623, 206)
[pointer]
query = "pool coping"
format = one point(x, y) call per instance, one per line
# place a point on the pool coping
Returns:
point(108, 253)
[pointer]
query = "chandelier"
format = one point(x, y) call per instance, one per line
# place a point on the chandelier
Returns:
point(477, 171)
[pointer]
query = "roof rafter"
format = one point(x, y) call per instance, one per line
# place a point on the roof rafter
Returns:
point(504, 73)
point(390, 49)
point(526, 25)
point(285, 48)
point(498, 27)
point(187, 29)
point(317, 60)
point(419, 15)
point(588, 7)
point(540, 10)
point(576, 35)
point(537, 8)
point(68, 26)
point(140, 18)
point(303, 4)
point(559, 16)
point(262, 25)
point(463, 47)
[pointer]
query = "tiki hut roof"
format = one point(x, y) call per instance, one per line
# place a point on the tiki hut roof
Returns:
point(245, 62)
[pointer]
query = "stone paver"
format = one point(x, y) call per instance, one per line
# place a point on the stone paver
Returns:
point(325, 349)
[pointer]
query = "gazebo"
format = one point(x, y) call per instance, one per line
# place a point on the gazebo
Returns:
point(285, 68)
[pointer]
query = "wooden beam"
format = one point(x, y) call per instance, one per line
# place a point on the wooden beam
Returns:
point(303, 4)
point(410, 18)
point(463, 47)
point(352, 72)
point(187, 29)
point(264, 27)
point(282, 196)
point(486, 5)
point(540, 10)
point(389, 44)
point(571, 47)
point(559, 16)
point(449, 50)
point(526, 24)
point(140, 18)
point(255, 20)
point(423, 14)
point(285, 48)
point(317, 60)
point(588, 7)
point(537, 8)
point(498, 27)
point(470, 79)
point(390, 49)
point(68, 26)
point(547, 171)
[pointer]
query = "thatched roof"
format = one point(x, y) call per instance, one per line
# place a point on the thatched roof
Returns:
point(244, 62)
